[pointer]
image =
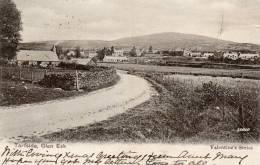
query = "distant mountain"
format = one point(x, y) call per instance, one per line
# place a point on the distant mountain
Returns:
point(168, 40)
point(47, 45)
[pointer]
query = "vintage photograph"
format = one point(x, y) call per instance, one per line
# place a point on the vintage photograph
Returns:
point(129, 71)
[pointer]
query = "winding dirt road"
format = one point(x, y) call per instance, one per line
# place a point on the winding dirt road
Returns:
point(39, 119)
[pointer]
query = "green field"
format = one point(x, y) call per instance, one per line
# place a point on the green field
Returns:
point(236, 73)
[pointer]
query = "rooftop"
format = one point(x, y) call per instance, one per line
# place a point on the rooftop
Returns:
point(35, 55)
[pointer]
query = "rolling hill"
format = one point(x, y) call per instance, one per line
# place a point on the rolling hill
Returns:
point(168, 40)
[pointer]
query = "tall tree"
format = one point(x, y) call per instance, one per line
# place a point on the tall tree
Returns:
point(59, 50)
point(150, 49)
point(10, 27)
point(133, 52)
point(112, 50)
point(77, 51)
point(102, 53)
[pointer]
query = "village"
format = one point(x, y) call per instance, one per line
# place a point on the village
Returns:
point(57, 54)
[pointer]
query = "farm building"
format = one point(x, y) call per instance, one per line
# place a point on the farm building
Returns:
point(115, 59)
point(207, 54)
point(188, 53)
point(82, 61)
point(71, 53)
point(40, 58)
point(231, 55)
point(83, 54)
point(195, 54)
point(90, 53)
point(248, 56)
point(139, 52)
point(118, 53)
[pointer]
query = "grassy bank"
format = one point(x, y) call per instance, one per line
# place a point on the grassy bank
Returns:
point(180, 113)
point(14, 93)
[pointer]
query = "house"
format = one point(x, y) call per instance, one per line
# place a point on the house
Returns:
point(40, 58)
point(139, 52)
point(114, 59)
point(82, 61)
point(71, 53)
point(118, 53)
point(231, 55)
point(186, 53)
point(83, 54)
point(195, 54)
point(248, 56)
point(207, 54)
point(189, 53)
point(90, 53)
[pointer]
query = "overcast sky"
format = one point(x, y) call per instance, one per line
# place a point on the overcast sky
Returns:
point(112, 19)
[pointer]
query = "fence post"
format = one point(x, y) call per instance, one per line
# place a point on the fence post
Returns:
point(77, 81)
point(32, 76)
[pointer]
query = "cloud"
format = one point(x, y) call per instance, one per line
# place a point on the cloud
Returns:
point(110, 19)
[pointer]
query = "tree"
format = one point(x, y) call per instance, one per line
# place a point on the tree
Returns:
point(150, 49)
point(77, 52)
point(10, 27)
point(59, 50)
point(133, 52)
point(112, 50)
point(102, 53)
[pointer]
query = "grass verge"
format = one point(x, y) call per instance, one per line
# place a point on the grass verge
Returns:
point(14, 93)
point(180, 113)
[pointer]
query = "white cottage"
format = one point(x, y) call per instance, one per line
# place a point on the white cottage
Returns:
point(248, 56)
point(82, 61)
point(231, 55)
point(114, 59)
point(118, 53)
point(207, 54)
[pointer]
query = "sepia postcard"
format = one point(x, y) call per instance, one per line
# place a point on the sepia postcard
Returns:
point(129, 82)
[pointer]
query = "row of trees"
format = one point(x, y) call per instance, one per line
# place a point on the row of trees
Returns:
point(10, 27)
point(60, 51)
point(105, 52)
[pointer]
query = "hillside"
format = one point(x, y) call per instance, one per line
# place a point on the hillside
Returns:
point(167, 40)
point(47, 45)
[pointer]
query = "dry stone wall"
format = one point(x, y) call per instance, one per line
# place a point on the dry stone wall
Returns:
point(88, 80)
point(93, 80)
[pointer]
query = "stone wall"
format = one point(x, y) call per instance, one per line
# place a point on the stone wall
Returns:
point(93, 80)
point(87, 80)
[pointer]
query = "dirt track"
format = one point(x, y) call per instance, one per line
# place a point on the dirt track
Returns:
point(39, 119)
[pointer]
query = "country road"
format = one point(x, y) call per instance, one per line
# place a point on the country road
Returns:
point(39, 119)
